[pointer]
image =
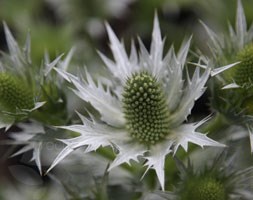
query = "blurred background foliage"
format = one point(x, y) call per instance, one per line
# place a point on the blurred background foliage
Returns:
point(58, 25)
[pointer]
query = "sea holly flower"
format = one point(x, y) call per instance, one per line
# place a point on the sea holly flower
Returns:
point(234, 101)
point(26, 87)
point(18, 97)
point(31, 98)
point(234, 47)
point(220, 180)
point(143, 105)
point(35, 136)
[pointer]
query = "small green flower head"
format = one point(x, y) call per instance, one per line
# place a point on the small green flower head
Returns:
point(145, 108)
point(243, 73)
point(14, 94)
point(205, 189)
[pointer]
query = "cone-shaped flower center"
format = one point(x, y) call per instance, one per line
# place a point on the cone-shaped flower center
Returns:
point(145, 108)
point(14, 94)
point(244, 71)
point(205, 189)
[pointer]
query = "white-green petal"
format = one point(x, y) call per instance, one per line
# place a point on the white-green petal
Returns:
point(37, 148)
point(183, 52)
point(145, 60)
point(112, 66)
point(50, 66)
point(100, 98)
point(156, 49)
point(219, 70)
point(123, 67)
point(91, 136)
point(65, 63)
point(232, 33)
point(133, 55)
point(27, 48)
point(22, 150)
point(216, 41)
point(25, 137)
point(194, 89)
point(231, 86)
point(186, 133)
point(156, 160)
point(63, 154)
point(127, 152)
point(13, 47)
point(36, 106)
point(241, 26)
point(250, 128)
point(172, 78)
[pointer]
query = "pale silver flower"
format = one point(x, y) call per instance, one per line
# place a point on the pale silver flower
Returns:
point(16, 74)
point(143, 107)
point(17, 65)
point(24, 85)
point(234, 47)
point(234, 101)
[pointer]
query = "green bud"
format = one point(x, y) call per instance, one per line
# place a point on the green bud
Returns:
point(204, 189)
point(243, 73)
point(14, 94)
point(145, 108)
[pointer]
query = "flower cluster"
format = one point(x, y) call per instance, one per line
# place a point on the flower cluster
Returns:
point(137, 115)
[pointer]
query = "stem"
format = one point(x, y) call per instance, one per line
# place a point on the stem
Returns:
point(101, 193)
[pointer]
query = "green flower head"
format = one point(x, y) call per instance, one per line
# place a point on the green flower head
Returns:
point(220, 179)
point(145, 108)
point(243, 72)
point(14, 94)
point(204, 188)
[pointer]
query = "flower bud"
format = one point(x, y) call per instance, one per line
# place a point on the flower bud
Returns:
point(14, 94)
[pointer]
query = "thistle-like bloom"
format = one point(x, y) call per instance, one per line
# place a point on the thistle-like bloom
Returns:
point(17, 82)
point(142, 107)
point(25, 87)
point(234, 101)
point(235, 47)
point(218, 181)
